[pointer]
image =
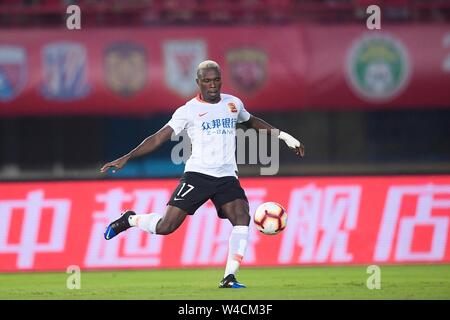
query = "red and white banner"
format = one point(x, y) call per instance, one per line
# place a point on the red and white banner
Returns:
point(147, 70)
point(342, 220)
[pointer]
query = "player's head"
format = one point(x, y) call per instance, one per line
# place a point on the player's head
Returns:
point(209, 80)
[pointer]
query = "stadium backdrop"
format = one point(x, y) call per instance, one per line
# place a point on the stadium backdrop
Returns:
point(355, 220)
point(140, 71)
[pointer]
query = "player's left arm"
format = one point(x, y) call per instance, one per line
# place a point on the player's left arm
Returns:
point(291, 142)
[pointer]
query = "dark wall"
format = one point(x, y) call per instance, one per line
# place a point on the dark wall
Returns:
point(336, 142)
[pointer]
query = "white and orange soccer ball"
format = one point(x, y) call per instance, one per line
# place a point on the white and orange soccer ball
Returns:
point(270, 218)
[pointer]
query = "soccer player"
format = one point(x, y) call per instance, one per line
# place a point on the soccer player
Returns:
point(210, 172)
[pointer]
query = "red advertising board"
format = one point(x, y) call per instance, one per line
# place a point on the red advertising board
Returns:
point(147, 70)
point(331, 221)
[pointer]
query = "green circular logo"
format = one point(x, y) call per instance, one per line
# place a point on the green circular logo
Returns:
point(378, 67)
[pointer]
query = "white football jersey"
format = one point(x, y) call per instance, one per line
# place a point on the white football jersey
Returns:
point(212, 130)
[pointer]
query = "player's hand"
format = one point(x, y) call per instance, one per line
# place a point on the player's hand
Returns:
point(300, 151)
point(115, 165)
point(292, 143)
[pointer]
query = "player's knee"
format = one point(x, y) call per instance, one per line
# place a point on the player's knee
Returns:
point(243, 218)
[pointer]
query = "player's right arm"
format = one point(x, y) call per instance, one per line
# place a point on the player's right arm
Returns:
point(147, 146)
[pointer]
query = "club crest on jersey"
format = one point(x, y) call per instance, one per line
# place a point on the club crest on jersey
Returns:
point(13, 71)
point(125, 68)
point(232, 107)
point(64, 66)
point(247, 68)
point(181, 58)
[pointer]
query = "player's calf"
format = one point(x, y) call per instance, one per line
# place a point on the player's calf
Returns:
point(165, 227)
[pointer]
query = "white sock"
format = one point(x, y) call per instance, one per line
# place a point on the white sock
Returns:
point(145, 222)
point(236, 249)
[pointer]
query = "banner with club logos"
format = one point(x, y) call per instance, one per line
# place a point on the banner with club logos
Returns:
point(146, 70)
point(331, 221)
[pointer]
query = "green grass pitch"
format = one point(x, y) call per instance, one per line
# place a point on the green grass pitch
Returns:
point(349, 282)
